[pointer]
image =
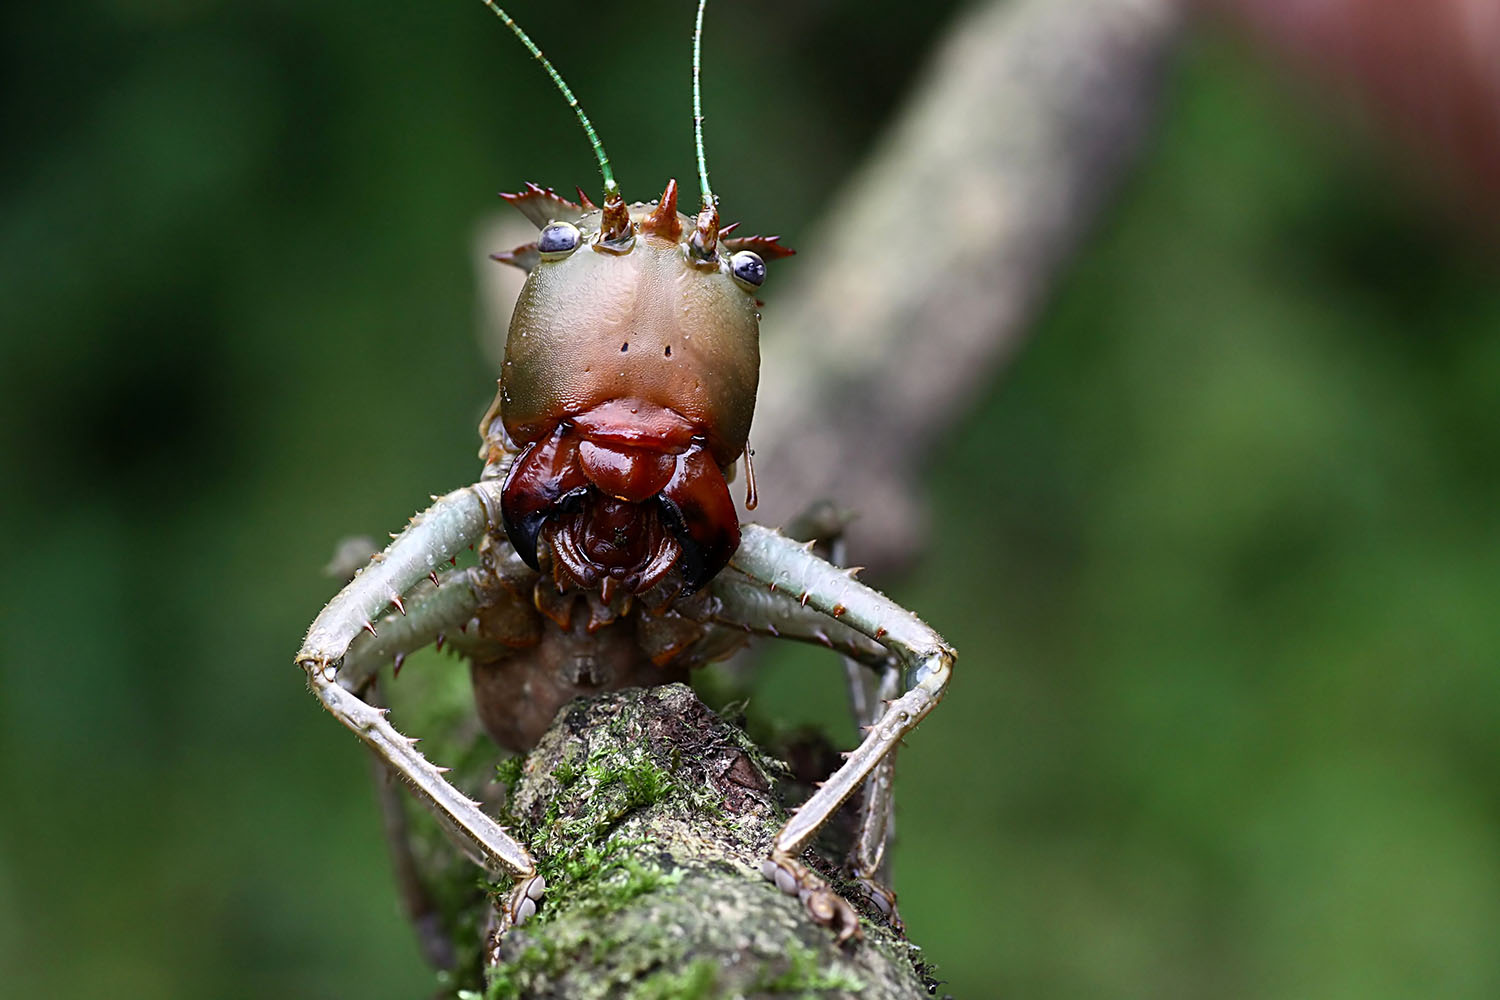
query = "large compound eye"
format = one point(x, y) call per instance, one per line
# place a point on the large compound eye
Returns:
point(558, 240)
point(748, 269)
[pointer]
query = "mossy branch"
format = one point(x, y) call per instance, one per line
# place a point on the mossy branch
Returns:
point(649, 816)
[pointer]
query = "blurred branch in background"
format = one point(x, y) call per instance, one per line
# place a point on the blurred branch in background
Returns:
point(935, 259)
point(928, 268)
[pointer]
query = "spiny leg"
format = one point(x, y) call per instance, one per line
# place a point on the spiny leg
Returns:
point(791, 568)
point(750, 605)
point(433, 538)
point(429, 613)
point(869, 862)
point(823, 523)
point(421, 909)
point(746, 604)
point(423, 615)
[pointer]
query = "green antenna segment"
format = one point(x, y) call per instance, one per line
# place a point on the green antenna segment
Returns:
point(708, 193)
point(610, 187)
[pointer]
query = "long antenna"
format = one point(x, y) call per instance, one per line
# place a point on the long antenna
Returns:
point(610, 187)
point(708, 194)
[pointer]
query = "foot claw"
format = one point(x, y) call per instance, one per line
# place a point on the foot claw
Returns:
point(882, 899)
point(825, 906)
point(520, 906)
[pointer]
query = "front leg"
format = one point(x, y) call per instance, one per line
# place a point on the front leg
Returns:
point(433, 538)
point(787, 567)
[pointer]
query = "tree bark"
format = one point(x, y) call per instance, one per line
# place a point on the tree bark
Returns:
point(650, 816)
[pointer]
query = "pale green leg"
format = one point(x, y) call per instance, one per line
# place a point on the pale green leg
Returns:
point(868, 860)
point(751, 605)
point(434, 537)
point(871, 680)
point(789, 568)
point(418, 903)
point(429, 612)
point(744, 603)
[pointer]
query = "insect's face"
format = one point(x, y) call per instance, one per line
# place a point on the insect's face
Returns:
point(629, 379)
point(652, 322)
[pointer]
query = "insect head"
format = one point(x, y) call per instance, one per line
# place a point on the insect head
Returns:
point(629, 383)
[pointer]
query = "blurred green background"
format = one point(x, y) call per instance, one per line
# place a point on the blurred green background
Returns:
point(1221, 551)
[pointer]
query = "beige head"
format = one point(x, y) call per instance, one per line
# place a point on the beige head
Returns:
point(629, 382)
point(643, 316)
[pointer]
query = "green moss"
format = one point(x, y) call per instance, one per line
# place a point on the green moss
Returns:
point(698, 981)
point(541, 959)
point(804, 974)
point(508, 773)
point(632, 879)
point(645, 784)
point(619, 786)
point(551, 964)
point(623, 913)
point(566, 772)
point(603, 880)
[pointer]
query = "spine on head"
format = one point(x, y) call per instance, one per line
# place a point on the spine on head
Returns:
point(614, 205)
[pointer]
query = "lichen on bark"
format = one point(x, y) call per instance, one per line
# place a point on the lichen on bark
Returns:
point(649, 816)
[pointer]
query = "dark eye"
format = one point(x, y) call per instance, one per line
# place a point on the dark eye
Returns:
point(748, 268)
point(558, 238)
